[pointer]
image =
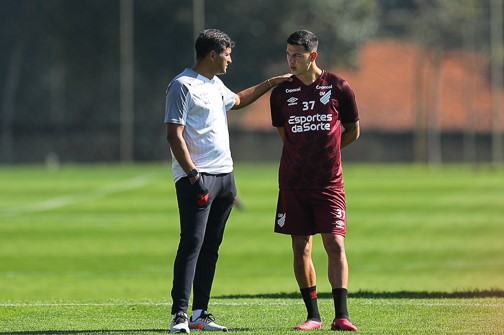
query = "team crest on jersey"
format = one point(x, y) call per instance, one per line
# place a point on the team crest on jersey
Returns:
point(326, 97)
point(281, 219)
point(292, 101)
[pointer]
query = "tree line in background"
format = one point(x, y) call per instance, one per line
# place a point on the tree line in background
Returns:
point(60, 60)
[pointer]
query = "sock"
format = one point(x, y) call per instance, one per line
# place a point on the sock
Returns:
point(340, 302)
point(196, 313)
point(310, 299)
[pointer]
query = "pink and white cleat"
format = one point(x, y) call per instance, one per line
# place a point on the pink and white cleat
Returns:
point(309, 325)
point(343, 324)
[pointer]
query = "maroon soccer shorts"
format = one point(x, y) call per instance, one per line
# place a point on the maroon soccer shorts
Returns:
point(308, 212)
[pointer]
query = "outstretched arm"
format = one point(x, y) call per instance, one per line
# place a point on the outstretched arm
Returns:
point(251, 94)
point(351, 132)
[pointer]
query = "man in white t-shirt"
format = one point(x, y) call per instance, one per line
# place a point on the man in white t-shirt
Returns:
point(197, 102)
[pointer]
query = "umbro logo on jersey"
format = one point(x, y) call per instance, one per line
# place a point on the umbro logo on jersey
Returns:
point(325, 98)
point(340, 224)
point(292, 101)
point(281, 219)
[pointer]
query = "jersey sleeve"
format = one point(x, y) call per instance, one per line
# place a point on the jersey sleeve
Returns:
point(177, 103)
point(228, 96)
point(277, 119)
point(349, 110)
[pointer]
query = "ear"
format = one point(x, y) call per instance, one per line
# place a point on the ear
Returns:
point(313, 56)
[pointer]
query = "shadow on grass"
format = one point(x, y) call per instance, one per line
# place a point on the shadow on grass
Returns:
point(494, 293)
point(90, 332)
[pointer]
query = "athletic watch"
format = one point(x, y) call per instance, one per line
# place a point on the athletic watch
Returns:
point(192, 174)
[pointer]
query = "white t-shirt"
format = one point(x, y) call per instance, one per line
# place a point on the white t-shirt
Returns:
point(201, 105)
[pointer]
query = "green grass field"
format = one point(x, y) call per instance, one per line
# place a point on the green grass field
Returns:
point(89, 249)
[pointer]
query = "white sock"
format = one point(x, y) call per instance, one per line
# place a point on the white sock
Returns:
point(196, 314)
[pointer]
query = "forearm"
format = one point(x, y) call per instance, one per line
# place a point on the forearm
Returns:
point(351, 132)
point(251, 94)
point(182, 156)
point(281, 133)
point(179, 149)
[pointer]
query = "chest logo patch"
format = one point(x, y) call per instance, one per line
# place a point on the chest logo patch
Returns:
point(292, 101)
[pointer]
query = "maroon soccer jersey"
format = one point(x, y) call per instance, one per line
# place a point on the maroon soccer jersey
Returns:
point(312, 116)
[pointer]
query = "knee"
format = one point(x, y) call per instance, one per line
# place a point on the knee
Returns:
point(190, 243)
point(335, 246)
point(301, 247)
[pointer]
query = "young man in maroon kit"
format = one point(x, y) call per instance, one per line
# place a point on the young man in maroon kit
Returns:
point(316, 115)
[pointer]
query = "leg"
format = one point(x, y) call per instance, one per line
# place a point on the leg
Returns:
point(303, 264)
point(193, 221)
point(307, 281)
point(337, 260)
point(294, 217)
point(225, 193)
point(338, 277)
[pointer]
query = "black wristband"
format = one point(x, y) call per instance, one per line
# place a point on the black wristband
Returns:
point(193, 173)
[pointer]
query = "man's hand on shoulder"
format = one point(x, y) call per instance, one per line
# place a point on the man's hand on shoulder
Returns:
point(280, 79)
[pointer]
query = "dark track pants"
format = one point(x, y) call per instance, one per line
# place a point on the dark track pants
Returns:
point(202, 230)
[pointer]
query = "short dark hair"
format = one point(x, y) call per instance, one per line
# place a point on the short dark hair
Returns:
point(305, 38)
point(212, 40)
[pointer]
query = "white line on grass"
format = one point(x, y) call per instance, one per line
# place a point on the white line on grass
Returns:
point(243, 302)
point(59, 202)
point(415, 302)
